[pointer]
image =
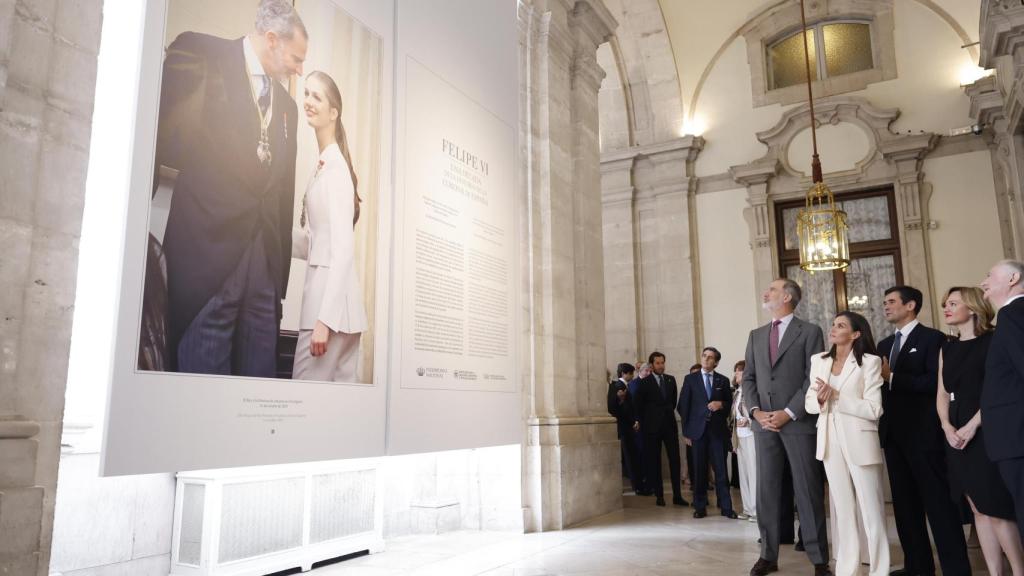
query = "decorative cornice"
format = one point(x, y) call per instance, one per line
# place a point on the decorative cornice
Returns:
point(691, 145)
point(986, 101)
point(911, 147)
point(13, 426)
point(756, 172)
point(1002, 29)
point(845, 107)
point(595, 20)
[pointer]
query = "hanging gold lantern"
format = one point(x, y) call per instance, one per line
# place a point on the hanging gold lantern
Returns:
point(820, 226)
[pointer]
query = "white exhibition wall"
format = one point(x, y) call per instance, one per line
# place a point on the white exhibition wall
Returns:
point(466, 49)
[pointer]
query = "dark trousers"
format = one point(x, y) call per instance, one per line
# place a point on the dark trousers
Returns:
point(631, 461)
point(710, 447)
point(787, 514)
point(236, 331)
point(638, 444)
point(652, 460)
point(734, 478)
point(689, 466)
point(1012, 471)
point(920, 488)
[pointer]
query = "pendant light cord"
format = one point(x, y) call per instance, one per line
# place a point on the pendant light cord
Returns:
point(815, 162)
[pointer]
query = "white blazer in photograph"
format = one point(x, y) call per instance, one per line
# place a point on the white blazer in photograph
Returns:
point(856, 406)
point(332, 293)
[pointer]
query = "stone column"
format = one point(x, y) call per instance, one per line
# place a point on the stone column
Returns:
point(48, 55)
point(759, 219)
point(987, 111)
point(912, 197)
point(621, 273)
point(571, 468)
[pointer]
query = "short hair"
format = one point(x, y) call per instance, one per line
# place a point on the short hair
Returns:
point(279, 17)
point(718, 355)
point(741, 365)
point(655, 354)
point(625, 368)
point(975, 301)
point(790, 287)
point(696, 367)
point(644, 366)
point(908, 294)
point(1014, 266)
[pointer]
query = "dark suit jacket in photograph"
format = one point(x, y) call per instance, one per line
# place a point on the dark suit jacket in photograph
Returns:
point(623, 412)
point(1002, 395)
point(653, 410)
point(908, 399)
point(693, 406)
point(784, 384)
point(223, 196)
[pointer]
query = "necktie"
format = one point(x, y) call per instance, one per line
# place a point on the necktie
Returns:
point(707, 385)
point(773, 341)
point(264, 98)
point(661, 386)
point(895, 352)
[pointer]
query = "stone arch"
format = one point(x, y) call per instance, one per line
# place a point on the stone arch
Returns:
point(640, 99)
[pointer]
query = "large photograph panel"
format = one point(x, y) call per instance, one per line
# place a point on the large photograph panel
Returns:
point(260, 255)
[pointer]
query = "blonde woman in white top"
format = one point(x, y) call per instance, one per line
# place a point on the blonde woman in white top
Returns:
point(846, 391)
point(332, 317)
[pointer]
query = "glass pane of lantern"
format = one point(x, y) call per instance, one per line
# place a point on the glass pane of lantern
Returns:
point(786, 59)
point(847, 48)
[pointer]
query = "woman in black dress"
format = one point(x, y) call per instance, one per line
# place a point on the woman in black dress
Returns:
point(971, 473)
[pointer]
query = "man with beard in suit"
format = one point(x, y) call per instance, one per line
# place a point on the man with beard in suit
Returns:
point(1002, 396)
point(654, 406)
point(227, 125)
point(912, 438)
point(775, 382)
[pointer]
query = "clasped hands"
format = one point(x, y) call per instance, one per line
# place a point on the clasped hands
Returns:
point(824, 391)
point(772, 421)
point(959, 439)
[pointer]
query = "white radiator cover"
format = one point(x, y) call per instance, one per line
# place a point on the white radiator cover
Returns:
point(254, 521)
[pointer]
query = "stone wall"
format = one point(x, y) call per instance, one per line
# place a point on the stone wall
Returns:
point(48, 52)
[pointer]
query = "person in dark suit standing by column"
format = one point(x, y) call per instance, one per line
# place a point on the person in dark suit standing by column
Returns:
point(704, 406)
point(620, 405)
point(654, 403)
point(775, 382)
point(227, 125)
point(912, 439)
point(1002, 396)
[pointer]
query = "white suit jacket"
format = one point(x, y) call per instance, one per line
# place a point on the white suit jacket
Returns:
point(856, 407)
point(332, 293)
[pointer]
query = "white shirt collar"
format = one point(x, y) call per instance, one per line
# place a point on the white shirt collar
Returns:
point(785, 320)
point(906, 330)
point(331, 153)
point(1011, 300)
point(252, 61)
point(623, 380)
point(703, 371)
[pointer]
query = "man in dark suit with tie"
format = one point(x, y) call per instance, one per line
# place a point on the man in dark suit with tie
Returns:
point(912, 438)
point(704, 406)
point(227, 125)
point(654, 403)
point(620, 405)
point(775, 382)
point(1002, 396)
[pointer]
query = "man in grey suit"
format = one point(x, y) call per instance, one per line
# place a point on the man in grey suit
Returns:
point(775, 382)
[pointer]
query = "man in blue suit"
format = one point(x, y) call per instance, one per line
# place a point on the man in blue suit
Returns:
point(704, 406)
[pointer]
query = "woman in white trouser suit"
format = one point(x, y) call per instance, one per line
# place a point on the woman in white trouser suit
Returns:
point(332, 317)
point(846, 390)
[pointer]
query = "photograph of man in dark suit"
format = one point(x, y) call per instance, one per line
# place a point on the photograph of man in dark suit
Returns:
point(1002, 395)
point(654, 403)
point(704, 407)
point(227, 126)
point(912, 439)
point(775, 381)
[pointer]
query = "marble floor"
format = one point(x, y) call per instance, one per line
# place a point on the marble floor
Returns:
point(640, 539)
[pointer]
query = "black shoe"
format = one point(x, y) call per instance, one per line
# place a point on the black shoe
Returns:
point(789, 541)
point(700, 513)
point(799, 546)
point(660, 501)
point(822, 570)
point(645, 492)
point(680, 502)
point(901, 572)
point(763, 567)
point(759, 540)
point(729, 514)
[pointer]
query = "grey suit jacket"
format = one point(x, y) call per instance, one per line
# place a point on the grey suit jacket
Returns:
point(785, 384)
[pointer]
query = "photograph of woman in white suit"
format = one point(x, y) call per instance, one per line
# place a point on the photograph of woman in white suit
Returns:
point(846, 391)
point(332, 317)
